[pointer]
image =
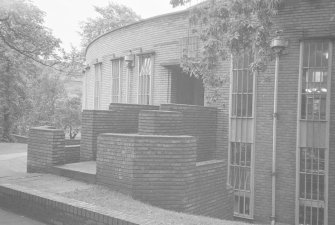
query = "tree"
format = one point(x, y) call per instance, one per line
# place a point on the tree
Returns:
point(110, 17)
point(69, 116)
point(229, 27)
point(24, 43)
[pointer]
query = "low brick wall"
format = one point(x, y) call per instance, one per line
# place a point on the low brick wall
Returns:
point(46, 148)
point(20, 139)
point(120, 118)
point(162, 170)
point(72, 153)
point(200, 122)
point(150, 168)
point(160, 122)
point(209, 195)
point(56, 210)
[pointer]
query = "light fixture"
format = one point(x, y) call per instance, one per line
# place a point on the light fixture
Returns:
point(130, 59)
point(279, 43)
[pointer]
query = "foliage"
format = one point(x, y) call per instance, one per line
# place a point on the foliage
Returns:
point(69, 115)
point(229, 27)
point(24, 41)
point(110, 17)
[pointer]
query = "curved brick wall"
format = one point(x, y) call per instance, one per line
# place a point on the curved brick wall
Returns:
point(160, 35)
point(160, 122)
point(151, 168)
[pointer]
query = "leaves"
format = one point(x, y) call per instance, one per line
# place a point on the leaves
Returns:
point(110, 17)
point(230, 27)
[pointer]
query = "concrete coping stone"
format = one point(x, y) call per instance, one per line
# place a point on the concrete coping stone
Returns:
point(161, 112)
point(190, 106)
point(46, 128)
point(209, 162)
point(131, 105)
point(146, 135)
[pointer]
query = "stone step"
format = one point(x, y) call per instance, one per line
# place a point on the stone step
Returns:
point(82, 171)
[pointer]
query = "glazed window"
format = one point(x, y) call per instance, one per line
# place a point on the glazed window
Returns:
point(97, 85)
point(145, 79)
point(314, 80)
point(240, 171)
point(116, 80)
point(242, 90)
point(313, 123)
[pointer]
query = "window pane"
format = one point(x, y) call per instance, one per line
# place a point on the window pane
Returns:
point(239, 81)
point(248, 158)
point(306, 54)
point(247, 206)
point(241, 204)
point(250, 101)
point(250, 82)
point(244, 105)
point(302, 185)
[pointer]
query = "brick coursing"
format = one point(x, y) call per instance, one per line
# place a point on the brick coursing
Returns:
point(160, 122)
point(121, 118)
point(55, 210)
point(46, 148)
point(162, 171)
point(199, 122)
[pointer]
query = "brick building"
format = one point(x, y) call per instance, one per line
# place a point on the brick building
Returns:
point(139, 64)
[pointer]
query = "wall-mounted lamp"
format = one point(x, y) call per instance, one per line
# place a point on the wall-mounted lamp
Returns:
point(130, 60)
point(279, 43)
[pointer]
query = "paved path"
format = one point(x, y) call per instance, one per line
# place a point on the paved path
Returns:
point(13, 159)
point(9, 218)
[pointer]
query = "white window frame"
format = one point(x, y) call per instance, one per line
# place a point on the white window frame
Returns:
point(120, 67)
point(151, 75)
point(299, 119)
point(253, 117)
point(97, 90)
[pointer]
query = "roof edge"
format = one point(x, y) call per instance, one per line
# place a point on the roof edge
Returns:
point(135, 23)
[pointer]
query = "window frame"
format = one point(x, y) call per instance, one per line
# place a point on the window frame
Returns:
point(119, 78)
point(252, 136)
point(298, 200)
point(151, 75)
point(97, 90)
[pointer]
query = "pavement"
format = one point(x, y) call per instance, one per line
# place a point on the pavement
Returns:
point(13, 159)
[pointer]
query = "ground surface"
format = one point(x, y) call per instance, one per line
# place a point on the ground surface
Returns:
point(9, 218)
point(13, 159)
point(13, 171)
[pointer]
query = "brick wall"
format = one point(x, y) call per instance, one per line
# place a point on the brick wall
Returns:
point(162, 171)
point(200, 122)
point(45, 148)
point(72, 153)
point(208, 194)
point(121, 118)
point(55, 210)
point(152, 168)
point(160, 34)
point(160, 122)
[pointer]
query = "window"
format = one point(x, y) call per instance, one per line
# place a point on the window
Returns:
point(97, 87)
point(314, 81)
point(313, 148)
point(240, 171)
point(242, 135)
point(116, 80)
point(242, 90)
point(144, 79)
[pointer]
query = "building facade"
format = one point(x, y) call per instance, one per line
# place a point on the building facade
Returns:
point(304, 188)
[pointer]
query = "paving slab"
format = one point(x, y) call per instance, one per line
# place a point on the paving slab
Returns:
point(10, 218)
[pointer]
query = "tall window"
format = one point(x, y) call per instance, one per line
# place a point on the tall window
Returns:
point(116, 80)
point(313, 148)
point(97, 83)
point(241, 135)
point(242, 92)
point(144, 79)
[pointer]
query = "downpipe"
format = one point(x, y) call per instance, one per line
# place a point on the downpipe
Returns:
point(274, 142)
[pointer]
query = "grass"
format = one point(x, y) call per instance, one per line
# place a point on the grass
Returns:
point(104, 197)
